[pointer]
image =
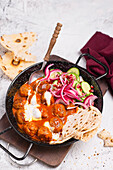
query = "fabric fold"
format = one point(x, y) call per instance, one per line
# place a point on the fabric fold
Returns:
point(101, 47)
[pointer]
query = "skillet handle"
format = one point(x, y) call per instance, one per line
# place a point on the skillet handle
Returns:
point(12, 155)
point(93, 58)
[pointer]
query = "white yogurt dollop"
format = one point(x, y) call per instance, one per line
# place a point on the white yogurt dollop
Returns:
point(47, 96)
point(31, 109)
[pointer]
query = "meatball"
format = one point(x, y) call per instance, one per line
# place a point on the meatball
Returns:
point(44, 134)
point(24, 89)
point(19, 103)
point(43, 86)
point(56, 123)
point(59, 110)
point(30, 128)
point(44, 111)
point(47, 98)
point(19, 115)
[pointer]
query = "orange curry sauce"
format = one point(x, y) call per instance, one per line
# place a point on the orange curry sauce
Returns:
point(55, 114)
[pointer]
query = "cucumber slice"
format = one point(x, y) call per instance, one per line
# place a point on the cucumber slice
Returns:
point(75, 82)
point(78, 78)
point(78, 89)
point(54, 72)
point(85, 87)
point(55, 82)
point(74, 70)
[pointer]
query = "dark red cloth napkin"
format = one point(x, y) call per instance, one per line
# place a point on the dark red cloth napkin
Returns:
point(101, 47)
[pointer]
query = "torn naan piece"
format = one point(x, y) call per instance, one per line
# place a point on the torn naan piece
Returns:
point(104, 134)
point(108, 142)
point(18, 42)
point(81, 125)
point(11, 70)
point(106, 137)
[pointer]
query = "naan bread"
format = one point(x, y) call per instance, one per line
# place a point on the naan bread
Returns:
point(18, 42)
point(106, 137)
point(11, 70)
point(91, 126)
point(81, 125)
point(108, 142)
point(93, 120)
point(24, 55)
point(104, 134)
point(86, 136)
point(73, 122)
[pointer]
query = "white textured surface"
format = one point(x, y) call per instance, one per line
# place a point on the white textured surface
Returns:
point(80, 19)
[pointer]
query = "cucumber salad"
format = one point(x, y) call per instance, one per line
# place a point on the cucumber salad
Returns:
point(69, 87)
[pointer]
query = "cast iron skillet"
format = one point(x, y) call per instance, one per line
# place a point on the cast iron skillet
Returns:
point(24, 76)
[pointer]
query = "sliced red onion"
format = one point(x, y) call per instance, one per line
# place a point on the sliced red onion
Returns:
point(75, 90)
point(83, 95)
point(81, 104)
point(71, 107)
point(65, 81)
point(89, 100)
point(92, 99)
point(70, 85)
point(67, 98)
point(58, 91)
point(54, 94)
point(64, 74)
point(62, 95)
point(72, 94)
point(74, 97)
point(47, 72)
point(58, 101)
point(46, 77)
point(61, 79)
